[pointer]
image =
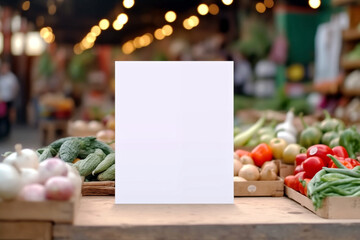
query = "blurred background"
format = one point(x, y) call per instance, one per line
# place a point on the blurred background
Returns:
point(287, 54)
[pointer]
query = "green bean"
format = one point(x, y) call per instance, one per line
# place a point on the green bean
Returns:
point(334, 183)
point(337, 162)
point(332, 177)
point(343, 171)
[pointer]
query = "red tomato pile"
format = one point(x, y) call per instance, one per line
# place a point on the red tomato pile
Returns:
point(315, 158)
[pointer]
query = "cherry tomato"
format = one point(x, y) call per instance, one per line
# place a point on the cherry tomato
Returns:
point(291, 182)
point(298, 177)
point(300, 158)
point(241, 153)
point(312, 165)
point(298, 169)
point(340, 151)
point(321, 151)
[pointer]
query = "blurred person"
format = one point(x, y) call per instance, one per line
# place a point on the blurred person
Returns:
point(9, 88)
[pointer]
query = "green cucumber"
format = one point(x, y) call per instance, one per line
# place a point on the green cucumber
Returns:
point(105, 164)
point(48, 152)
point(89, 164)
point(69, 150)
point(108, 174)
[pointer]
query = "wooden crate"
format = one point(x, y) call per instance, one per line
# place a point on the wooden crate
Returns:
point(101, 188)
point(259, 188)
point(30, 230)
point(286, 169)
point(332, 207)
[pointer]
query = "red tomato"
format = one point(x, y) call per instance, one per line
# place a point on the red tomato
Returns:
point(290, 181)
point(298, 177)
point(298, 169)
point(300, 158)
point(321, 151)
point(307, 180)
point(312, 165)
point(261, 153)
point(340, 151)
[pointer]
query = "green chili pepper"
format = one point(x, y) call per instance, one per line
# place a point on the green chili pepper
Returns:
point(350, 139)
point(331, 124)
point(310, 135)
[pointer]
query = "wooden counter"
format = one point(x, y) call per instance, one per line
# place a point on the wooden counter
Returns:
point(249, 218)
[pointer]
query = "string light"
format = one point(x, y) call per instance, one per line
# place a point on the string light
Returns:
point(170, 16)
point(26, 5)
point(213, 9)
point(314, 4)
point(52, 9)
point(269, 3)
point(128, 48)
point(203, 9)
point(227, 2)
point(122, 18)
point(260, 7)
point(167, 30)
point(104, 24)
point(96, 30)
point(128, 3)
point(159, 34)
point(117, 25)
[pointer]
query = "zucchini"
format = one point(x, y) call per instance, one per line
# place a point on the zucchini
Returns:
point(88, 165)
point(105, 164)
point(108, 175)
point(69, 150)
point(48, 152)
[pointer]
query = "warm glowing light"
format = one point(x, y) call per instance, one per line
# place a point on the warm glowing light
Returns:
point(146, 39)
point(17, 43)
point(26, 5)
point(104, 24)
point(49, 38)
point(117, 25)
point(49, 29)
point(227, 2)
point(34, 44)
point(194, 21)
point(170, 16)
point(150, 36)
point(96, 30)
point(314, 4)
point(269, 3)
point(43, 31)
point(86, 44)
point(186, 24)
point(77, 49)
point(203, 9)
point(128, 3)
point(167, 30)
point(260, 7)
point(122, 18)
point(159, 34)
point(1, 42)
point(128, 48)
point(90, 37)
point(213, 9)
point(137, 42)
point(52, 9)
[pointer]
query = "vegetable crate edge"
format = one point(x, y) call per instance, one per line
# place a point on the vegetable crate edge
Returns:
point(332, 207)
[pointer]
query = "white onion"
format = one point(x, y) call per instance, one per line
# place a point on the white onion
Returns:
point(52, 167)
point(59, 188)
point(23, 158)
point(32, 192)
point(10, 182)
point(29, 176)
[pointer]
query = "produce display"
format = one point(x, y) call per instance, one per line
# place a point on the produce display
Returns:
point(24, 178)
point(94, 159)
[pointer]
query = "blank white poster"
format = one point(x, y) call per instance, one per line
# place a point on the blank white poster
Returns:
point(174, 132)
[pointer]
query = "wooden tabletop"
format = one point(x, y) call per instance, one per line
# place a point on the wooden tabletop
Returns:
point(248, 218)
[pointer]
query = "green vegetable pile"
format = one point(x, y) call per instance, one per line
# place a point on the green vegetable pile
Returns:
point(330, 182)
point(97, 159)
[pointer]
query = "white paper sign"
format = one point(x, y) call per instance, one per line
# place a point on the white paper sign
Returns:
point(174, 132)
